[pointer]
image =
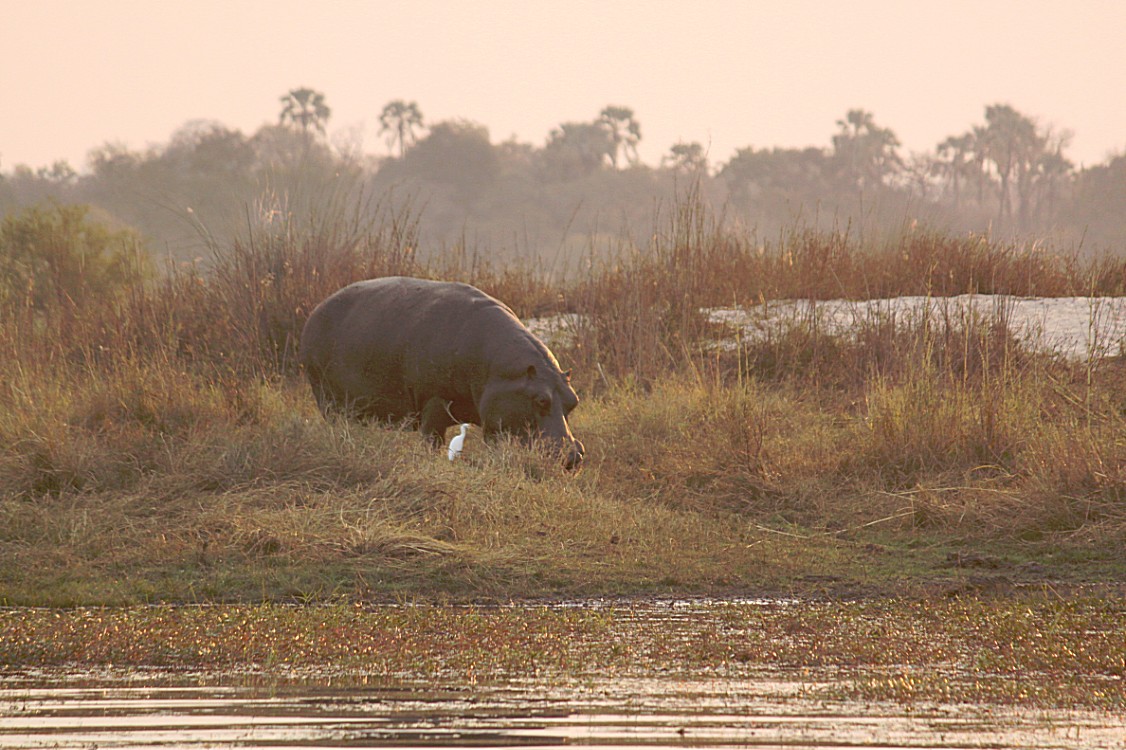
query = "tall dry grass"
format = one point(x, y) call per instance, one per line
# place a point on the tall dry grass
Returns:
point(159, 443)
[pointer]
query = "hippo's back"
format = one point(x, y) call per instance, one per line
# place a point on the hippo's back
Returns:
point(380, 347)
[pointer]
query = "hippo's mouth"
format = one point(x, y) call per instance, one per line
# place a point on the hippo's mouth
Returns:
point(571, 452)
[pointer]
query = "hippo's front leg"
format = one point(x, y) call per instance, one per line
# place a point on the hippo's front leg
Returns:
point(434, 420)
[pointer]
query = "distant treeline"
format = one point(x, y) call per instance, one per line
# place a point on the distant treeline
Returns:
point(1007, 176)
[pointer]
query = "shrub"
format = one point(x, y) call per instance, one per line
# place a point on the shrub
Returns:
point(57, 256)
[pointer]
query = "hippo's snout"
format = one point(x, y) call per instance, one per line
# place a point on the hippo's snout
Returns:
point(574, 457)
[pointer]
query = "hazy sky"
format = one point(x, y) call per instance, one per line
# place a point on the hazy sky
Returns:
point(77, 74)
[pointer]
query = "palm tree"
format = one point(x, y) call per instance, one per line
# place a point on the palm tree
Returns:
point(399, 120)
point(305, 109)
point(1052, 170)
point(1011, 143)
point(953, 153)
point(979, 148)
point(867, 151)
point(624, 130)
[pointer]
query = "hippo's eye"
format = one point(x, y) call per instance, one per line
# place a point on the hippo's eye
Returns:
point(543, 404)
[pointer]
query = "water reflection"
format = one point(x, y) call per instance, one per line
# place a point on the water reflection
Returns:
point(155, 709)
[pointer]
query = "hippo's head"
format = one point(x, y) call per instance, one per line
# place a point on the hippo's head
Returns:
point(533, 404)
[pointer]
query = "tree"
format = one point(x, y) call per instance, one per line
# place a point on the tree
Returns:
point(918, 175)
point(1029, 164)
point(207, 173)
point(865, 152)
point(211, 150)
point(953, 162)
point(456, 153)
point(1053, 171)
point(1009, 142)
point(778, 181)
point(576, 149)
point(625, 132)
point(398, 121)
point(114, 161)
point(60, 172)
point(305, 109)
point(979, 148)
point(1020, 169)
point(686, 157)
point(1099, 205)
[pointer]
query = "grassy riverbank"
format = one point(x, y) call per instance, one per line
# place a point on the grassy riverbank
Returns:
point(158, 445)
point(290, 508)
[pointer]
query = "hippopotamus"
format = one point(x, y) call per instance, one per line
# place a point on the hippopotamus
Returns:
point(434, 354)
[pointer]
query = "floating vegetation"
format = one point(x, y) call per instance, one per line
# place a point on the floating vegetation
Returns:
point(1033, 652)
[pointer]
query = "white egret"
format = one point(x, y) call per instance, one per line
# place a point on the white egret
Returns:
point(457, 442)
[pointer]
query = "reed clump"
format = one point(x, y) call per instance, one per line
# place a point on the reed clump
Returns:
point(158, 442)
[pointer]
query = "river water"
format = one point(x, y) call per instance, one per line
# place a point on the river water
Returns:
point(155, 709)
point(1077, 328)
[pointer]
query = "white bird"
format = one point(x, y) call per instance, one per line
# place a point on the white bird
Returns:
point(457, 442)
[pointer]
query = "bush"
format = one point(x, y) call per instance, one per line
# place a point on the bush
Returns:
point(56, 256)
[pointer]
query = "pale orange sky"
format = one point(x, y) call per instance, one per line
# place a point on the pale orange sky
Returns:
point(77, 74)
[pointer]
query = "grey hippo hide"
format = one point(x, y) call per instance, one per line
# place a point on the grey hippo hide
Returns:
point(436, 354)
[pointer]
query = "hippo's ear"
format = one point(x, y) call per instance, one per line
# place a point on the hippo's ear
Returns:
point(531, 372)
point(567, 375)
